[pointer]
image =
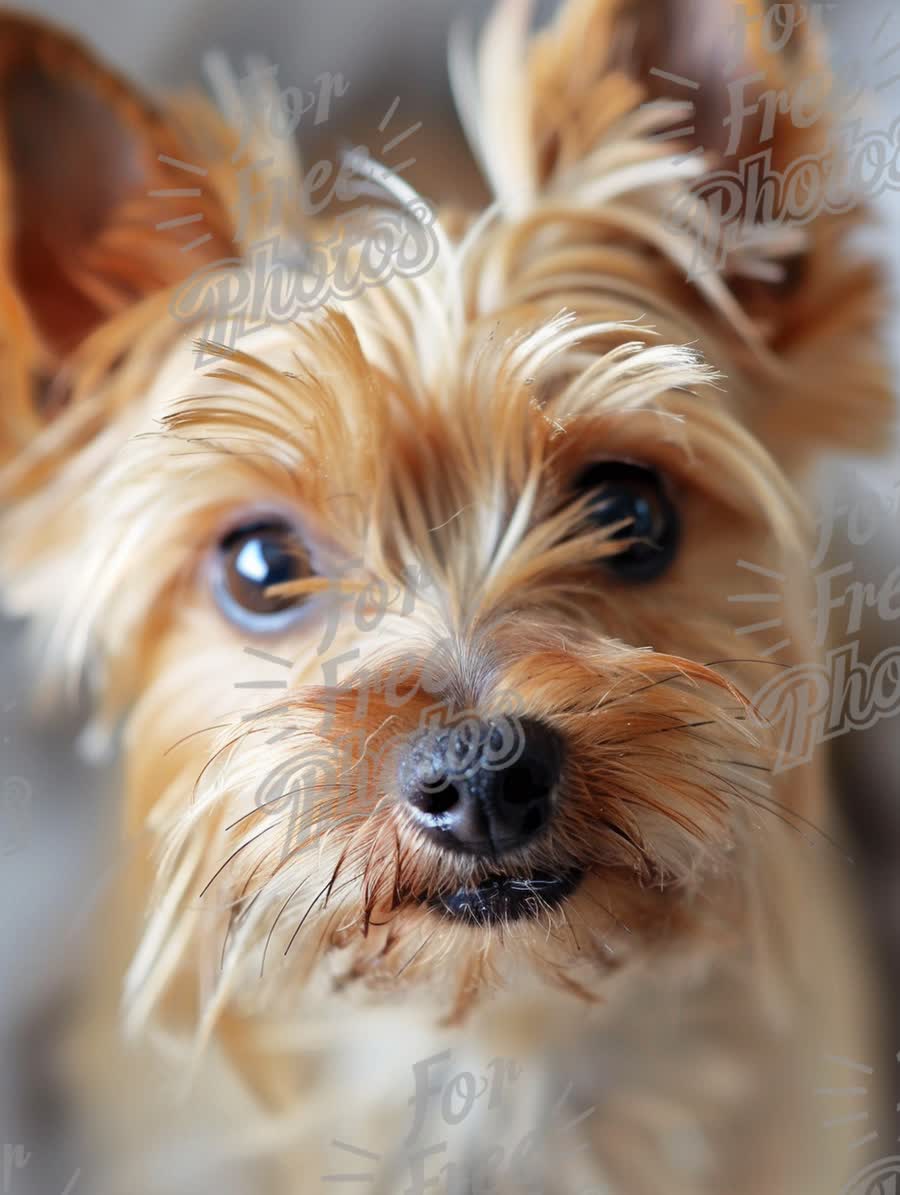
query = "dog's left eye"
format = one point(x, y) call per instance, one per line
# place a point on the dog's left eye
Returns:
point(250, 562)
point(632, 501)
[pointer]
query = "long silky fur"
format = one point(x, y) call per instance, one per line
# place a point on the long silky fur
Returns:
point(434, 425)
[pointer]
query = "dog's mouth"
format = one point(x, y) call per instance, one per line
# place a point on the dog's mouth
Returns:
point(503, 898)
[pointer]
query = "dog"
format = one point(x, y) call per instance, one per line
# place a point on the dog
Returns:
point(453, 856)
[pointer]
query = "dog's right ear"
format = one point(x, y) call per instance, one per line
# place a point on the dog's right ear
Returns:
point(104, 200)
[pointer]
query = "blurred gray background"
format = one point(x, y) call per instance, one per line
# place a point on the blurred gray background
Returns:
point(56, 814)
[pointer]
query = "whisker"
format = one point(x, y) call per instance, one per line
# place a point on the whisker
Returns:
point(235, 854)
point(193, 735)
point(416, 954)
point(237, 914)
point(309, 909)
point(608, 911)
point(262, 965)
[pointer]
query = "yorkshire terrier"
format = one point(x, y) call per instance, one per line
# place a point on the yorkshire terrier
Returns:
point(453, 853)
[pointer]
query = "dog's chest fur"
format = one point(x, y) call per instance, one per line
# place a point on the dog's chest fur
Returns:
point(670, 1083)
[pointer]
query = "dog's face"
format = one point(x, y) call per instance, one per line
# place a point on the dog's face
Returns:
point(421, 610)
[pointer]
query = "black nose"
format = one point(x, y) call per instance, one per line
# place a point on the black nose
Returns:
point(483, 787)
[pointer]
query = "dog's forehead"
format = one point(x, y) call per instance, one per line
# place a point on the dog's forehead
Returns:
point(354, 376)
point(382, 402)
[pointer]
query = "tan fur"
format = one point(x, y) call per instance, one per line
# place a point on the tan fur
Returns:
point(286, 971)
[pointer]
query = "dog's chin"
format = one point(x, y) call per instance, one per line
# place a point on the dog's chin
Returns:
point(500, 899)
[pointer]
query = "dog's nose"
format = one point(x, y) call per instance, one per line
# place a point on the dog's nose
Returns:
point(483, 787)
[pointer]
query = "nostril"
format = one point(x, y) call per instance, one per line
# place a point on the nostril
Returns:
point(523, 783)
point(435, 799)
point(522, 802)
point(426, 782)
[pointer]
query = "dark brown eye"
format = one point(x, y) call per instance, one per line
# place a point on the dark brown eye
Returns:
point(633, 499)
point(250, 561)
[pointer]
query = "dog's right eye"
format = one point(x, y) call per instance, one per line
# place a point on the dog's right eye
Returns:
point(251, 563)
point(633, 501)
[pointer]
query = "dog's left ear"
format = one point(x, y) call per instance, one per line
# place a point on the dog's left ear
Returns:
point(756, 103)
point(82, 233)
point(765, 107)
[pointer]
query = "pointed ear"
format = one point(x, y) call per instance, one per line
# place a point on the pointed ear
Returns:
point(754, 73)
point(764, 105)
point(82, 234)
point(744, 87)
point(728, 80)
point(709, 54)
